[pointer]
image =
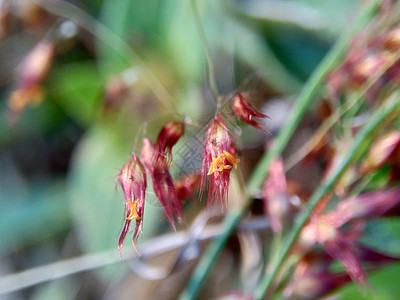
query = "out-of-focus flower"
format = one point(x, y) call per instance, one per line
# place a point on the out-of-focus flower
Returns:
point(370, 55)
point(31, 73)
point(242, 108)
point(391, 40)
point(365, 206)
point(219, 158)
point(119, 88)
point(315, 285)
point(313, 276)
point(186, 186)
point(368, 65)
point(324, 229)
point(335, 244)
point(386, 149)
point(115, 91)
point(275, 196)
point(157, 158)
point(132, 179)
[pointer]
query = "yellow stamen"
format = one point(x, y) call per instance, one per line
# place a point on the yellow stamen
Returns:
point(218, 164)
point(231, 159)
point(133, 213)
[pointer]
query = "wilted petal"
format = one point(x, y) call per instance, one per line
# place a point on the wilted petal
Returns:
point(275, 196)
point(242, 108)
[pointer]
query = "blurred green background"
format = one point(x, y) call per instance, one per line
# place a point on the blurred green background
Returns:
point(60, 159)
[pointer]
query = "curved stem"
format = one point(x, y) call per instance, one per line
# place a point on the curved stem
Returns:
point(377, 118)
point(211, 71)
point(303, 103)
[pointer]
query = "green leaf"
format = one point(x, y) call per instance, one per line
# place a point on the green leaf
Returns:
point(77, 88)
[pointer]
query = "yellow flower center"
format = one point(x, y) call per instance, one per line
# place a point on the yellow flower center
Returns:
point(218, 163)
point(133, 213)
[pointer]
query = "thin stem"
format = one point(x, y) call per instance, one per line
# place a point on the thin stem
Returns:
point(305, 99)
point(211, 71)
point(150, 248)
point(376, 119)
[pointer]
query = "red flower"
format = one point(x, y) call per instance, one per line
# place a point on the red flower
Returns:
point(218, 161)
point(242, 108)
point(169, 136)
point(156, 158)
point(132, 179)
point(324, 229)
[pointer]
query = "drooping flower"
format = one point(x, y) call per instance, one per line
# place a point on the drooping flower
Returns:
point(242, 108)
point(219, 158)
point(157, 158)
point(132, 179)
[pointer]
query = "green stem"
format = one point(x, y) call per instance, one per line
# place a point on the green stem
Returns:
point(211, 71)
point(377, 118)
point(305, 99)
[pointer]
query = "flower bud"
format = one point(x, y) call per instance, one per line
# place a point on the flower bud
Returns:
point(242, 108)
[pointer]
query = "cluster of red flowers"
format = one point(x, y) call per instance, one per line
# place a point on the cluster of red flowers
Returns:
point(370, 58)
point(219, 160)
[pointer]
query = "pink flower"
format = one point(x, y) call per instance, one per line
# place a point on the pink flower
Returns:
point(242, 108)
point(276, 196)
point(157, 158)
point(132, 179)
point(324, 229)
point(218, 161)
